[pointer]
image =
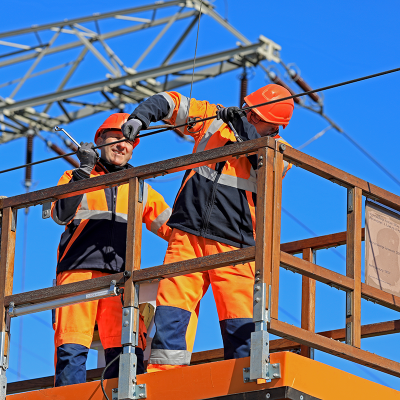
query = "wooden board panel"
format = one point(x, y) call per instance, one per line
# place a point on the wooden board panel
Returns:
point(318, 242)
point(263, 212)
point(144, 171)
point(316, 272)
point(276, 231)
point(353, 266)
point(340, 177)
point(133, 241)
point(307, 302)
point(160, 271)
point(8, 230)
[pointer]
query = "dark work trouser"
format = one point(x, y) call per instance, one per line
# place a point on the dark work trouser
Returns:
point(71, 363)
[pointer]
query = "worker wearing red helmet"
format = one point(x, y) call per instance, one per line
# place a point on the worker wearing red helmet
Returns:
point(214, 212)
point(93, 245)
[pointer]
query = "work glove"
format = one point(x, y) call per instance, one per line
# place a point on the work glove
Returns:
point(88, 157)
point(229, 114)
point(131, 128)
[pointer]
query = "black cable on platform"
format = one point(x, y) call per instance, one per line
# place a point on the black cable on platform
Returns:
point(104, 372)
point(390, 71)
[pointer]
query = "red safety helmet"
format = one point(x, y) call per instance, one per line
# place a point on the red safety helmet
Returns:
point(276, 113)
point(114, 121)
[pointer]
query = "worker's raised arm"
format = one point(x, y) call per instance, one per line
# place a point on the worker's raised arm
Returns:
point(173, 108)
point(156, 213)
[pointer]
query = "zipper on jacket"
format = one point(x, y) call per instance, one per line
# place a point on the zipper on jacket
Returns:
point(206, 218)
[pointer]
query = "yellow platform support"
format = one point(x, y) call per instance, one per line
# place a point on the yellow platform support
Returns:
point(212, 380)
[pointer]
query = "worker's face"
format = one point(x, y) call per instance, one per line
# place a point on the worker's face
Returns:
point(118, 153)
point(263, 128)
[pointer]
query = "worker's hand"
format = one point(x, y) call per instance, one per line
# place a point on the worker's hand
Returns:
point(131, 128)
point(88, 157)
point(228, 114)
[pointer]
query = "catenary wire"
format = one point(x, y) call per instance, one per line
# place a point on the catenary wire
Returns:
point(290, 215)
point(315, 137)
point(195, 53)
point(214, 116)
point(352, 141)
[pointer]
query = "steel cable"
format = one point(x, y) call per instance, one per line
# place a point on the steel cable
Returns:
point(214, 116)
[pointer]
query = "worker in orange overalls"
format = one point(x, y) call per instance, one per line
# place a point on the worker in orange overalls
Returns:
point(214, 212)
point(93, 245)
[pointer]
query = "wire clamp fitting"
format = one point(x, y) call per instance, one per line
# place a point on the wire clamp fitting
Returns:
point(192, 121)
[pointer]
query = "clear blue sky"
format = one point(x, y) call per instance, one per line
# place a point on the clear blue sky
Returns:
point(329, 41)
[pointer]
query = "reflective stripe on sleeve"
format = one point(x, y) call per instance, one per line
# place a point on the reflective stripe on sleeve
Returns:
point(145, 193)
point(160, 220)
point(56, 220)
point(84, 203)
point(97, 215)
point(228, 180)
point(84, 206)
point(172, 357)
point(285, 167)
point(215, 125)
point(183, 111)
point(170, 102)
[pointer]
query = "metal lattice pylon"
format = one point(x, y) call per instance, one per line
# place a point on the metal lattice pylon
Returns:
point(39, 92)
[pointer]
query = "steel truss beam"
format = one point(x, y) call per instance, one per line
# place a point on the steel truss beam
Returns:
point(75, 40)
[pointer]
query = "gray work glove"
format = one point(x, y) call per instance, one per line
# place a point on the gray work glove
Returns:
point(229, 114)
point(131, 128)
point(88, 158)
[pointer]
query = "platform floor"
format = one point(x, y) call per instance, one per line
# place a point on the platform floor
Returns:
point(309, 378)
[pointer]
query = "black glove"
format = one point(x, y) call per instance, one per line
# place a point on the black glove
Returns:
point(131, 128)
point(88, 158)
point(229, 114)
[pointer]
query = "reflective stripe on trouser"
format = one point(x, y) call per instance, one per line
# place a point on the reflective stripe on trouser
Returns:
point(178, 299)
point(75, 323)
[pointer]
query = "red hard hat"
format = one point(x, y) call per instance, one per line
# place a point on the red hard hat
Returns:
point(276, 113)
point(114, 121)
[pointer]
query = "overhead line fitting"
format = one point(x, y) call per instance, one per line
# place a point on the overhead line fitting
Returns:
point(275, 79)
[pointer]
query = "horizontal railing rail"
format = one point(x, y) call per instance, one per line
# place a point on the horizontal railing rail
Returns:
point(268, 253)
point(177, 164)
point(162, 271)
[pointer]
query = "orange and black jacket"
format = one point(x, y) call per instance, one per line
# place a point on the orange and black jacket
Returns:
point(96, 225)
point(216, 201)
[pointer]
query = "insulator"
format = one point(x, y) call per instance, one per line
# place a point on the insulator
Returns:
point(28, 169)
point(275, 78)
point(243, 88)
point(60, 152)
point(304, 85)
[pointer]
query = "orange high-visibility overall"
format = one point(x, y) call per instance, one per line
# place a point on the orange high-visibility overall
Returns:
point(214, 212)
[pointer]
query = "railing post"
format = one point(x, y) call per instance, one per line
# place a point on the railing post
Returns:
point(7, 252)
point(276, 227)
point(260, 368)
point(353, 266)
point(127, 387)
point(308, 304)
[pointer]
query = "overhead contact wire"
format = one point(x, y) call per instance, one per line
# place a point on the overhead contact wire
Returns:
point(390, 71)
point(195, 53)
